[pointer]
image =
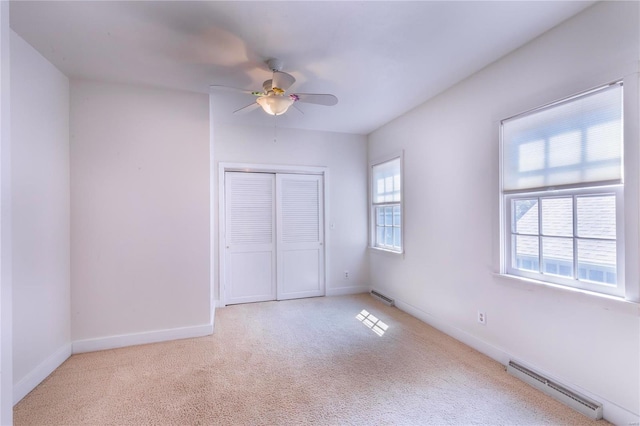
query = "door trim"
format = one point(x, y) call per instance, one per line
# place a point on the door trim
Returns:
point(264, 168)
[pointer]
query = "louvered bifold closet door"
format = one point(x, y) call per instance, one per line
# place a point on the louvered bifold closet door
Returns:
point(300, 226)
point(250, 257)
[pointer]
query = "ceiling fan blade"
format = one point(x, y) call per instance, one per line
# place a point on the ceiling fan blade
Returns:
point(282, 80)
point(234, 89)
point(247, 108)
point(317, 98)
point(297, 109)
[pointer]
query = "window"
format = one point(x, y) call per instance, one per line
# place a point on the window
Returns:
point(386, 205)
point(562, 192)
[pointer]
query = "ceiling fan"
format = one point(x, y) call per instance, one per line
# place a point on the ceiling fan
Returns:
point(273, 98)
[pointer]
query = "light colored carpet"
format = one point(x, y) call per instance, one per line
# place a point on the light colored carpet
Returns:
point(308, 361)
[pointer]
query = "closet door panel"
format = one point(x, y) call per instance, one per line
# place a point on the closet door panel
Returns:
point(250, 256)
point(300, 236)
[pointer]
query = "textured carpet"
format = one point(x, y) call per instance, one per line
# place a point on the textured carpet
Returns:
point(308, 361)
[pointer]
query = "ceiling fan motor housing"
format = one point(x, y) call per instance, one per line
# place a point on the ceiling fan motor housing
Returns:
point(275, 64)
point(273, 99)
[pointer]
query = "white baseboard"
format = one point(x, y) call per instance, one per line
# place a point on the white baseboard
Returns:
point(38, 374)
point(120, 341)
point(611, 411)
point(334, 291)
point(343, 291)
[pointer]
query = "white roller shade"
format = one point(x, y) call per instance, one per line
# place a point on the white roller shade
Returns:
point(574, 142)
point(386, 182)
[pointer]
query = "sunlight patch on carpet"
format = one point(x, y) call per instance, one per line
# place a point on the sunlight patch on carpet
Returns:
point(373, 322)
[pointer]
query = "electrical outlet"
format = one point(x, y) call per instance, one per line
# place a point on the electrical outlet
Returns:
point(482, 318)
point(346, 275)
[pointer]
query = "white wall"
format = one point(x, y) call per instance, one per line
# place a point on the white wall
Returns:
point(345, 155)
point(139, 215)
point(6, 363)
point(452, 214)
point(40, 215)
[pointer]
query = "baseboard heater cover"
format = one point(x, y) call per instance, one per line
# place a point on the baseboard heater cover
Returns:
point(574, 400)
point(384, 299)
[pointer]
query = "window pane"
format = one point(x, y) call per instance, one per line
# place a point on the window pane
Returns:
point(525, 216)
point(379, 216)
point(379, 236)
point(397, 237)
point(557, 256)
point(597, 216)
point(396, 216)
point(557, 216)
point(388, 216)
point(525, 252)
point(597, 260)
point(388, 237)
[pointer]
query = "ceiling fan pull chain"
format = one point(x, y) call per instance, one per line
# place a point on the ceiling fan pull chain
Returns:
point(275, 129)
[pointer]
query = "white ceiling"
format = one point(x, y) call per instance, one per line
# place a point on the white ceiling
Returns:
point(380, 59)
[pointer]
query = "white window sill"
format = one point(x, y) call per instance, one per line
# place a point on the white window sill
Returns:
point(604, 300)
point(385, 252)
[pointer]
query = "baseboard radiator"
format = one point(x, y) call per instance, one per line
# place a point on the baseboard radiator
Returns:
point(574, 400)
point(381, 297)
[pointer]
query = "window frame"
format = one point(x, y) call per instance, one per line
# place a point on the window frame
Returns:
point(373, 205)
point(507, 257)
point(575, 281)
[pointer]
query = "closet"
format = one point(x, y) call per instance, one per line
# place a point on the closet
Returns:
point(273, 236)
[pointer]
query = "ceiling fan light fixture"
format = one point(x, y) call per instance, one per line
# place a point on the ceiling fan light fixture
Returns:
point(273, 98)
point(275, 105)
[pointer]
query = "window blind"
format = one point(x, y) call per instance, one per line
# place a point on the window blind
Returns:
point(386, 182)
point(576, 142)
